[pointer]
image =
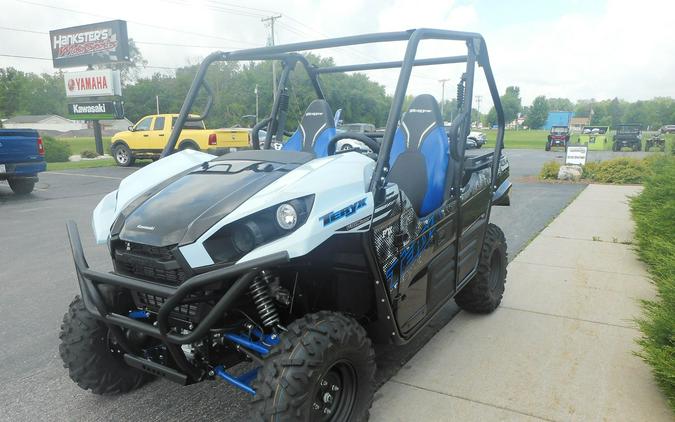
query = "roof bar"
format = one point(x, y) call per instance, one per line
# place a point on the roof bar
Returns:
point(391, 65)
point(254, 53)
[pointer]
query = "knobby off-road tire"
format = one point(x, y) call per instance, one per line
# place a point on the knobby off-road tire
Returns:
point(324, 361)
point(484, 292)
point(86, 354)
point(548, 146)
point(21, 186)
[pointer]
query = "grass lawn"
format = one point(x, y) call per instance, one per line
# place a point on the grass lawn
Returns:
point(536, 139)
point(85, 143)
point(80, 164)
point(519, 139)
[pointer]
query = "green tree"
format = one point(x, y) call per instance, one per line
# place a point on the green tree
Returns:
point(537, 114)
point(511, 104)
point(129, 71)
point(559, 104)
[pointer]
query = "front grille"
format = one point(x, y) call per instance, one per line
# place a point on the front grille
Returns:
point(151, 263)
point(153, 303)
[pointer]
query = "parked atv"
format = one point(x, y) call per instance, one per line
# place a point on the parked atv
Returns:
point(559, 137)
point(628, 136)
point(656, 141)
point(296, 260)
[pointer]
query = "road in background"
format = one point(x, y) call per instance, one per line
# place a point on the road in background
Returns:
point(37, 282)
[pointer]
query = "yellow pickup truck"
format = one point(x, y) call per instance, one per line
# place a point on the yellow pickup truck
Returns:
point(146, 139)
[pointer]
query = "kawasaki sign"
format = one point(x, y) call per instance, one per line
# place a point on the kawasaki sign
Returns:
point(96, 43)
point(97, 110)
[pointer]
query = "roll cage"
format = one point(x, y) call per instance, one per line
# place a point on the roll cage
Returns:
point(288, 55)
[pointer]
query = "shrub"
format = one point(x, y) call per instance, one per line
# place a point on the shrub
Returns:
point(55, 150)
point(88, 154)
point(549, 170)
point(618, 170)
point(654, 212)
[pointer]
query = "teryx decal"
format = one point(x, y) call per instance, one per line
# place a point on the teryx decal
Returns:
point(334, 216)
point(410, 254)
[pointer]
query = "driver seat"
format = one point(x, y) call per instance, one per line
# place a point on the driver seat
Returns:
point(317, 127)
point(419, 157)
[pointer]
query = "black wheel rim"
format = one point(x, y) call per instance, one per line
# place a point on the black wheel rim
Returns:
point(495, 270)
point(335, 393)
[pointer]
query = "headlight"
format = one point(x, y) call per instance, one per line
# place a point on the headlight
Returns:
point(287, 216)
point(233, 241)
point(246, 236)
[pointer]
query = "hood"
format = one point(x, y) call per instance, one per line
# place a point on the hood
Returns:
point(121, 134)
point(180, 211)
point(627, 135)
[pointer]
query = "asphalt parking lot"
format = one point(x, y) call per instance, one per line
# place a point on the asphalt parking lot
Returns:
point(37, 282)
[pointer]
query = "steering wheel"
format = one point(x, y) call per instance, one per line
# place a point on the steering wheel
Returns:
point(370, 142)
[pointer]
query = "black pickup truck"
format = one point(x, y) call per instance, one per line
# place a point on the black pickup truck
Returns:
point(22, 157)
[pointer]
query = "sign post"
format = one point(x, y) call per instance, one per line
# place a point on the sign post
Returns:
point(87, 45)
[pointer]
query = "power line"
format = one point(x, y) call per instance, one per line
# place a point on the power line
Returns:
point(135, 41)
point(18, 56)
point(134, 22)
point(263, 11)
point(23, 30)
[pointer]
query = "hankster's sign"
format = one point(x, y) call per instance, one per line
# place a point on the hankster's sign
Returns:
point(93, 83)
point(96, 43)
point(96, 110)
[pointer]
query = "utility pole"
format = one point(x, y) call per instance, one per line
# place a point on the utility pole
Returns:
point(443, 81)
point(270, 42)
point(98, 137)
point(157, 103)
point(479, 98)
point(256, 103)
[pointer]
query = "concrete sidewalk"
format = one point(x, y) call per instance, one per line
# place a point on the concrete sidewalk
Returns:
point(561, 345)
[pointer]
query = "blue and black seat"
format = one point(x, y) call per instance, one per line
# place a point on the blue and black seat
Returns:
point(317, 127)
point(419, 158)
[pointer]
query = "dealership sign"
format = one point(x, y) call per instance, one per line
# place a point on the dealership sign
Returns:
point(576, 154)
point(93, 83)
point(96, 43)
point(95, 110)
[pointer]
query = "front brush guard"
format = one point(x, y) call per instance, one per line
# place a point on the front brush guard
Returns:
point(89, 281)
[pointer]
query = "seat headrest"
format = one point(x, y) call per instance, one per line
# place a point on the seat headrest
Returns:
point(422, 116)
point(316, 119)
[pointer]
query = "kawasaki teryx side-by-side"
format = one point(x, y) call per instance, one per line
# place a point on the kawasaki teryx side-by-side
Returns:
point(295, 260)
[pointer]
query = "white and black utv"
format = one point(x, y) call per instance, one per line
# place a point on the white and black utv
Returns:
point(296, 260)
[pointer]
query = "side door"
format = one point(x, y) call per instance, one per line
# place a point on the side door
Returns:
point(427, 264)
point(157, 135)
point(475, 194)
point(138, 138)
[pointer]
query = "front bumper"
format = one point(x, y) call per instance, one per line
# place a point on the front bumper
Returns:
point(558, 142)
point(90, 280)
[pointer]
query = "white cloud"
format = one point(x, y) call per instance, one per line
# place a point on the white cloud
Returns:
point(626, 49)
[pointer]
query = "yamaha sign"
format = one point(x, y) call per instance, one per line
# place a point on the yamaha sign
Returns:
point(96, 43)
point(93, 83)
